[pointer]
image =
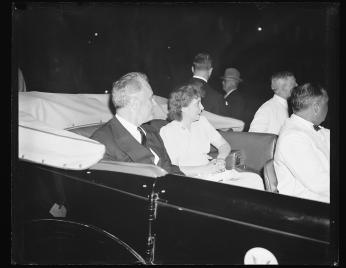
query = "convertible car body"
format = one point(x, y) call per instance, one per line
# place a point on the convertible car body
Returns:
point(129, 213)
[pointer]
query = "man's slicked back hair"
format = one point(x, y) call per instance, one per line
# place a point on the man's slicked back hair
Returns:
point(202, 61)
point(126, 86)
point(281, 75)
point(303, 95)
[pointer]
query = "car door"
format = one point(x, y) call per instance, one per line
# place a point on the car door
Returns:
point(115, 203)
point(202, 222)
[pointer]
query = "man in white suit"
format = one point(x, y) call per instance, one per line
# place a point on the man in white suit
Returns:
point(270, 117)
point(301, 159)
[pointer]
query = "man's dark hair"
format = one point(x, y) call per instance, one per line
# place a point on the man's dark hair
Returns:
point(282, 75)
point(180, 98)
point(303, 95)
point(202, 61)
point(199, 85)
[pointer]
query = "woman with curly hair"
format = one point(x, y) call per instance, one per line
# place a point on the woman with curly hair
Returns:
point(188, 137)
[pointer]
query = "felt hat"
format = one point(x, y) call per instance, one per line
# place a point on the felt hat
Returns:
point(232, 73)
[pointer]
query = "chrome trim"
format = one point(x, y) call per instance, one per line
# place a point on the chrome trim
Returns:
point(99, 230)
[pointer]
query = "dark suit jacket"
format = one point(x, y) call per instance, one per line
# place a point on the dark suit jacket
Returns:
point(122, 146)
point(236, 106)
point(212, 100)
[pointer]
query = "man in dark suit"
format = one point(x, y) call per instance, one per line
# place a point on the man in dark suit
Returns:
point(235, 104)
point(202, 68)
point(125, 137)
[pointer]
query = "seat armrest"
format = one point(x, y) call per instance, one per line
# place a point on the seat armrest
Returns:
point(141, 169)
point(256, 148)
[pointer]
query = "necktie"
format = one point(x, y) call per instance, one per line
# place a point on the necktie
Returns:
point(144, 138)
point(317, 128)
point(144, 143)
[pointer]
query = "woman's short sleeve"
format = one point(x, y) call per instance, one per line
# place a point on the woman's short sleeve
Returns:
point(211, 132)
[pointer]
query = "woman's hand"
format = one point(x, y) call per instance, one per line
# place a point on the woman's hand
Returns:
point(221, 163)
point(215, 166)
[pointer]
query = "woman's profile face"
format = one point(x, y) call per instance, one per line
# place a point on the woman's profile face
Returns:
point(193, 110)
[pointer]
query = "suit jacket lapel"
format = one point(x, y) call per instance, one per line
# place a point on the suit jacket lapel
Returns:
point(154, 144)
point(128, 144)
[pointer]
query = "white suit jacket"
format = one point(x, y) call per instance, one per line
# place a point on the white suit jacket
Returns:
point(270, 117)
point(301, 160)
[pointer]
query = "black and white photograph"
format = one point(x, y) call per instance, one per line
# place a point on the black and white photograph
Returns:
point(189, 133)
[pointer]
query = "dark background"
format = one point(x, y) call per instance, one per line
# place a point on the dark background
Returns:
point(57, 50)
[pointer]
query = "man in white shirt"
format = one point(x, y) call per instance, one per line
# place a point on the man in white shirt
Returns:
point(301, 159)
point(270, 117)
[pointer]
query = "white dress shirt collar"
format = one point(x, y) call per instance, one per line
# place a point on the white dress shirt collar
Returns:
point(280, 100)
point(200, 77)
point(130, 128)
point(136, 134)
point(302, 121)
point(229, 92)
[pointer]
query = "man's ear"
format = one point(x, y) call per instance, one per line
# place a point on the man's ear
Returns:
point(316, 106)
point(193, 69)
point(273, 84)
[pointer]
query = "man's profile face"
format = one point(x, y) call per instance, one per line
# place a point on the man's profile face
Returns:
point(145, 109)
point(229, 84)
point(284, 86)
point(290, 83)
point(323, 104)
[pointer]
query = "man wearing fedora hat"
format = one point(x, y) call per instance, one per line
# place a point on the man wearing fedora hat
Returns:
point(234, 101)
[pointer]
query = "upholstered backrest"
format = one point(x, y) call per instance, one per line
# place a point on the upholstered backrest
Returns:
point(123, 167)
point(89, 129)
point(270, 180)
point(256, 148)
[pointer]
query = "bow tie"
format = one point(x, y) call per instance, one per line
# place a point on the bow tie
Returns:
point(317, 128)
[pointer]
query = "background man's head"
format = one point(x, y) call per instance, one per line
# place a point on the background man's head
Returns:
point(282, 84)
point(202, 65)
point(310, 101)
point(132, 95)
point(231, 79)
